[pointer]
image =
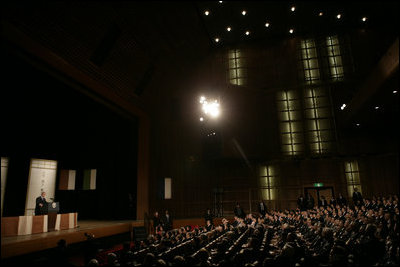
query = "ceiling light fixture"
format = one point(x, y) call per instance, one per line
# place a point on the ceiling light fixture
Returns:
point(228, 29)
point(220, 2)
point(357, 124)
point(247, 32)
point(339, 16)
point(364, 19)
point(244, 12)
point(320, 13)
point(291, 31)
point(343, 107)
point(376, 107)
point(267, 24)
point(217, 40)
point(206, 12)
point(293, 8)
point(210, 108)
point(395, 92)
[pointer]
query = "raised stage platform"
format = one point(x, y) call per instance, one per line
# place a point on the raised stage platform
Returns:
point(24, 244)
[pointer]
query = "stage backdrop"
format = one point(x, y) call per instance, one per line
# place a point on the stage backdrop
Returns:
point(4, 168)
point(42, 177)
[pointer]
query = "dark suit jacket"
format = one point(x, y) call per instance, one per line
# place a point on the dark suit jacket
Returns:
point(262, 209)
point(40, 210)
point(357, 197)
point(167, 222)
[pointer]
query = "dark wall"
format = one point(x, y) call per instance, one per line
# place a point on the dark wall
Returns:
point(44, 117)
point(247, 133)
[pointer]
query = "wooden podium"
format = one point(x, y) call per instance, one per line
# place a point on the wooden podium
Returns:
point(53, 208)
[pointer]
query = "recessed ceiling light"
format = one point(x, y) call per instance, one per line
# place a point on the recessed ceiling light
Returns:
point(320, 13)
point(364, 19)
point(244, 12)
point(206, 12)
point(394, 92)
point(343, 107)
point(339, 16)
point(293, 8)
point(357, 124)
point(267, 24)
point(201, 119)
point(376, 107)
point(220, 2)
point(247, 32)
point(291, 31)
point(217, 40)
point(228, 29)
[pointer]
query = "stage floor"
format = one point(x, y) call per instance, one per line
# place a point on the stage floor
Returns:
point(19, 245)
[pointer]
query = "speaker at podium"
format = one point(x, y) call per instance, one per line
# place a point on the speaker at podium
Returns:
point(52, 209)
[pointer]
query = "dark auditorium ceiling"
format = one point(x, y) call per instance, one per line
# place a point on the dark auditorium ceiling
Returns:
point(128, 45)
point(266, 20)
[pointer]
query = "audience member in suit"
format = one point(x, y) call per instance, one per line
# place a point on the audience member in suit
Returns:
point(262, 208)
point(341, 200)
point(238, 211)
point(332, 201)
point(309, 201)
point(301, 203)
point(156, 221)
point(322, 202)
point(209, 216)
point(41, 204)
point(357, 197)
point(167, 221)
point(209, 226)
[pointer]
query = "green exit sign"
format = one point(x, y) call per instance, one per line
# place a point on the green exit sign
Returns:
point(318, 184)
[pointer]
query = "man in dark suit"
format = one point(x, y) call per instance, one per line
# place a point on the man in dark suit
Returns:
point(167, 221)
point(322, 202)
point(41, 204)
point(309, 201)
point(156, 221)
point(262, 208)
point(209, 217)
point(301, 203)
point(357, 197)
point(341, 200)
point(238, 211)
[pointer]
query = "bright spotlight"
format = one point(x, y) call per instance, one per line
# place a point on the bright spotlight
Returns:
point(210, 107)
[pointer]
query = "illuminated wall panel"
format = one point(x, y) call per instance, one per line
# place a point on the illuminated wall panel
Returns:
point(352, 173)
point(236, 67)
point(334, 58)
point(4, 170)
point(268, 182)
point(289, 114)
point(42, 177)
point(309, 57)
point(318, 120)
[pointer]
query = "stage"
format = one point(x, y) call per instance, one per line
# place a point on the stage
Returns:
point(19, 245)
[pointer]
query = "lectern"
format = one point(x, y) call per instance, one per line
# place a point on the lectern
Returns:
point(53, 208)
